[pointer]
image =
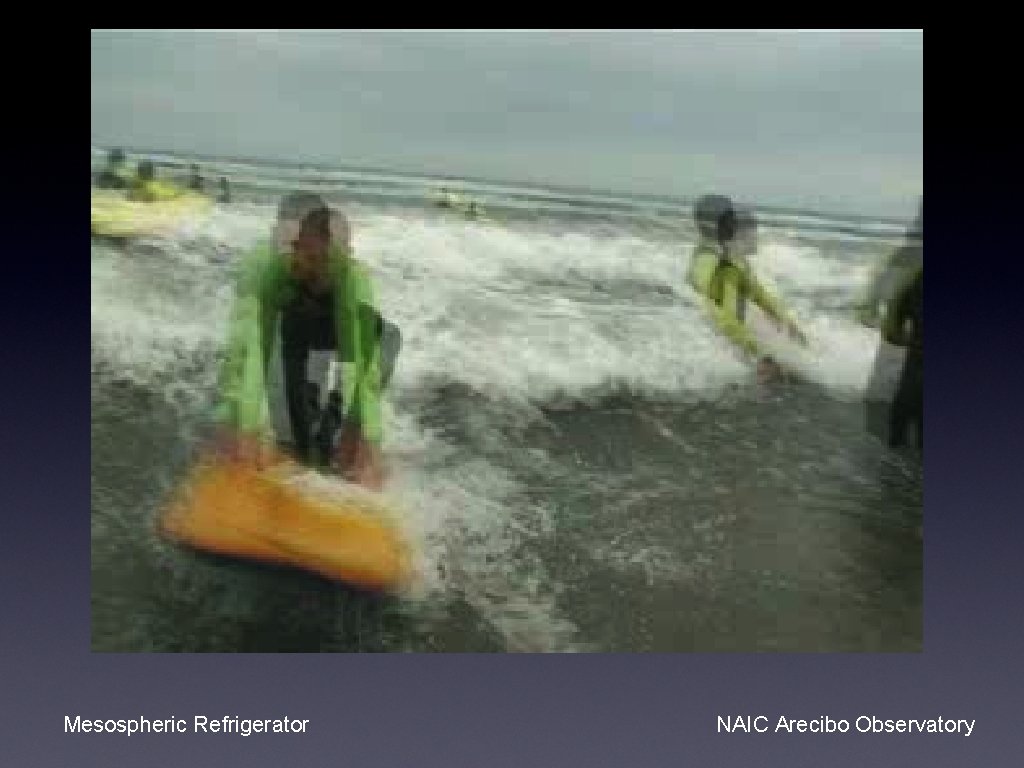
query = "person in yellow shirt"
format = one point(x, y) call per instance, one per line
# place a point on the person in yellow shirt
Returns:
point(720, 272)
point(145, 187)
point(114, 175)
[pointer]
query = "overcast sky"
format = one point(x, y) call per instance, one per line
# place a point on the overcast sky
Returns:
point(827, 119)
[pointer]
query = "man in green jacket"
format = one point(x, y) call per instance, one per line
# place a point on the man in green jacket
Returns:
point(307, 284)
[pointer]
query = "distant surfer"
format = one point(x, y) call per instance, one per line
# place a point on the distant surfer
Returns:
point(307, 280)
point(225, 191)
point(115, 175)
point(195, 179)
point(146, 188)
point(720, 272)
point(141, 187)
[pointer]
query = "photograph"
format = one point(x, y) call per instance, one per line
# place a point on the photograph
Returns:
point(520, 341)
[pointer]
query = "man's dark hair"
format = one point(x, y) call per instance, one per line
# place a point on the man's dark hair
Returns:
point(296, 205)
point(712, 214)
point(317, 222)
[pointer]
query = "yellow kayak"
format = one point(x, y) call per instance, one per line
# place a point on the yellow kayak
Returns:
point(243, 512)
point(115, 216)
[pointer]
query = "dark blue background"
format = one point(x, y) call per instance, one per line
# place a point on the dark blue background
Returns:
point(506, 710)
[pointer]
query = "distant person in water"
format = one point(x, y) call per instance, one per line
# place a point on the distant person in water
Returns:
point(146, 188)
point(195, 179)
point(141, 187)
point(225, 191)
point(720, 272)
point(115, 175)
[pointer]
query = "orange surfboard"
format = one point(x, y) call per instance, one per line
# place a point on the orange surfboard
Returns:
point(239, 511)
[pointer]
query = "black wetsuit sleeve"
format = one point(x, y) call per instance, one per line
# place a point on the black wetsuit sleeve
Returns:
point(295, 355)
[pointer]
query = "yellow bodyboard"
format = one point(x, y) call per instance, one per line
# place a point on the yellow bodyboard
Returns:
point(263, 515)
point(115, 216)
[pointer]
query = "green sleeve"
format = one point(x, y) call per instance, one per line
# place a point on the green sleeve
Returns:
point(891, 325)
point(242, 404)
point(898, 311)
point(877, 291)
point(761, 296)
point(359, 344)
point(727, 317)
point(721, 288)
point(885, 280)
point(890, 277)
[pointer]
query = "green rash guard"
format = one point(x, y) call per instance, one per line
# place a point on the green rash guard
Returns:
point(265, 288)
point(726, 288)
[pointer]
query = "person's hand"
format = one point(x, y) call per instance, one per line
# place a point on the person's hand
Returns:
point(768, 370)
point(867, 315)
point(247, 450)
point(359, 461)
point(796, 334)
point(790, 329)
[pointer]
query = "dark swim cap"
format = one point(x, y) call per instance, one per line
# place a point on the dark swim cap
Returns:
point(715, 217)
point(295, 205)
point(317, 222)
